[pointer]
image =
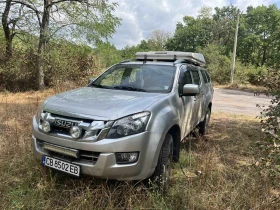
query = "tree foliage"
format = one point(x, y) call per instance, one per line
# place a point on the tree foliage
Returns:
point(258, 40)
point(80, 19)
point(190, 34)
point(218, 64)
point(39, 30)
point(271, 123)
point(157, 40)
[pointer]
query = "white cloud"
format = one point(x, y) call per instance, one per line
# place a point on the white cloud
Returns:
point(243, 4)
point(129, 33)
point(141, 17)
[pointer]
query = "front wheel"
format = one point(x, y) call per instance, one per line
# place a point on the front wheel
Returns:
point(162, 174)
point(203, 126)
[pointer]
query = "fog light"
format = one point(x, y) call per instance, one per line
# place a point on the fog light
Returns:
point(127, 157)
point(46, 127)
point(75, 132)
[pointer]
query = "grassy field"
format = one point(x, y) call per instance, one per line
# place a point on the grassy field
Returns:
point(217, 172)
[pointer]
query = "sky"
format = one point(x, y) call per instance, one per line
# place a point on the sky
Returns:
point(141, 17)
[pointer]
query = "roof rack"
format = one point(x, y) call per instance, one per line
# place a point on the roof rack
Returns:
point(173, 56)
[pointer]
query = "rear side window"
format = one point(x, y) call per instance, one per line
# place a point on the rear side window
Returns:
point(196, 78)
point(204, 76)
point(207, 75)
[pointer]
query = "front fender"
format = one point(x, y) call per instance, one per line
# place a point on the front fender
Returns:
point(161, 122)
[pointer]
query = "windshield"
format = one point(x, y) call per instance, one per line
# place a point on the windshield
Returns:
point(137, 77)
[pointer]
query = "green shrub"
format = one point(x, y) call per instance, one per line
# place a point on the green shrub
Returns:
point(270, 120)
point(218, 64)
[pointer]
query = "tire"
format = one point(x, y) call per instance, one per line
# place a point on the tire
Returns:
point(162, 174)
point(203, 126)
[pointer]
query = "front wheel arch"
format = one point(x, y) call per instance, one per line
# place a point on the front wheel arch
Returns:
point(162, 174)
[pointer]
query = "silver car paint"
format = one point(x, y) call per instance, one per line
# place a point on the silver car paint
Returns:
point(166, 110)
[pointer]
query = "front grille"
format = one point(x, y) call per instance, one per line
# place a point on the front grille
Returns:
point(89, 156)
point(83, 157)
point(61, 125)
point(56, 129)
point(64, 130)
point(71, 118)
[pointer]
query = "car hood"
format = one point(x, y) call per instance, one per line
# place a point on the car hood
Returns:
point(100, 104)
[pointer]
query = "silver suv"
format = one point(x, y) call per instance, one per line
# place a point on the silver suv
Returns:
point(128, 123)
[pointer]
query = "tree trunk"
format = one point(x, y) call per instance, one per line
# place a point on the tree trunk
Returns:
point(264, 55)
point(7, 32)
point(43, 40)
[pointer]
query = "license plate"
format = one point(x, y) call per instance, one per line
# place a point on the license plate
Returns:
point(61, 165)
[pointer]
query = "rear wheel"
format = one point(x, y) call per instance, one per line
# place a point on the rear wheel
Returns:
point(162, 174)
point(203, 126)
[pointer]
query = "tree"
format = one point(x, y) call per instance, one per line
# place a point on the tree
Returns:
point(191, 34)
point(261, 43)
point(89, 20)
point(205, 12)
point(218, 64)
point(157, 40)
point(144, 46)
point(9, 25)
point(223, 28)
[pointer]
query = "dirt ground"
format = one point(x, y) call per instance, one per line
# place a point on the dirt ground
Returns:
point(239, 102)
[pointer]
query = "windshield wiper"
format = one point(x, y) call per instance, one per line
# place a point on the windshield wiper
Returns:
point(129, 88)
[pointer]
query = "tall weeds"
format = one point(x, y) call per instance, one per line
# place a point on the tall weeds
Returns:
point(216, 172)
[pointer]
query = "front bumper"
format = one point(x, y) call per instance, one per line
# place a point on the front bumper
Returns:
point(105, 166)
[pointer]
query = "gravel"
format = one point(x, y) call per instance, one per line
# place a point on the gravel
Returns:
point(239, 102)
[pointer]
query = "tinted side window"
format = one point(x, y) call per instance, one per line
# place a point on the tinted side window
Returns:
point(196, 78)
point(208, 77)
point(204, 76)
point(187, 78)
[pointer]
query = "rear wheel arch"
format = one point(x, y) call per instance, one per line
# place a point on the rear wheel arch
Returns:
point(203, 125)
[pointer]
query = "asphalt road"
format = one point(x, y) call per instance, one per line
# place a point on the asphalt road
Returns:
point(238, 102)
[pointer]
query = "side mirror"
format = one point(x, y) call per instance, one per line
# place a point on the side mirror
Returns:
point(190, 90)
point(90, 80)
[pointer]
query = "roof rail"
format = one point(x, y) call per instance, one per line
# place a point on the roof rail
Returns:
point(125, 61)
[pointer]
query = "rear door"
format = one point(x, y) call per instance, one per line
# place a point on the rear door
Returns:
point(207, 89)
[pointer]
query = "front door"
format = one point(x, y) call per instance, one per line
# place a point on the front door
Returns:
point(187, 101)
point(197, 113)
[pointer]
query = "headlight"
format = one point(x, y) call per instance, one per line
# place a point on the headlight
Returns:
point(39, 111)
point(129, 125)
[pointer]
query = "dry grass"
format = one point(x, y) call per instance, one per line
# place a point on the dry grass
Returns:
point(217, 172)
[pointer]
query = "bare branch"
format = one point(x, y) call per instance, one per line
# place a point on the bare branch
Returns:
point(20, 37)
point(37, 12)
point(60, 1)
